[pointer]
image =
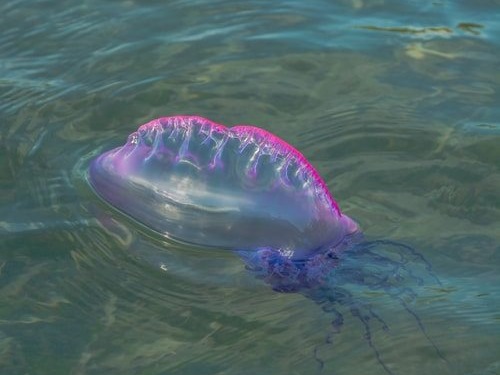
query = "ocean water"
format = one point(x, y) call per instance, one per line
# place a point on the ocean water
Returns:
point(396, 103)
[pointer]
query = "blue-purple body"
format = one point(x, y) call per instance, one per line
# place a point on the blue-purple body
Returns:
point(240, 188)
point(244, 189)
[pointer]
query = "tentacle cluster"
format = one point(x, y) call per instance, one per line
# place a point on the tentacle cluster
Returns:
point(334, 278)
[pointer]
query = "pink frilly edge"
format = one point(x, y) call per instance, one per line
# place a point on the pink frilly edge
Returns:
point(262, 134)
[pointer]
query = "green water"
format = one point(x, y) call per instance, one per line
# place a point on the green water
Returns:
point(396, 103)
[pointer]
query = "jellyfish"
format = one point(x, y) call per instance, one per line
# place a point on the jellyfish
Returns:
point(246, 190)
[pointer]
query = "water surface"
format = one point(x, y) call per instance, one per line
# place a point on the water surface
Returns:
point(395, 103)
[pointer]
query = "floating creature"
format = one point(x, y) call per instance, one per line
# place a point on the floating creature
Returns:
point(244, 189)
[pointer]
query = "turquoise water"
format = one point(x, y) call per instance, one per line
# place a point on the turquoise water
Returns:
point(396, 103)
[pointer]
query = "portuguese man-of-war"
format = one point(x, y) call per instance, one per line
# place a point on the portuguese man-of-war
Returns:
point(244, 189)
